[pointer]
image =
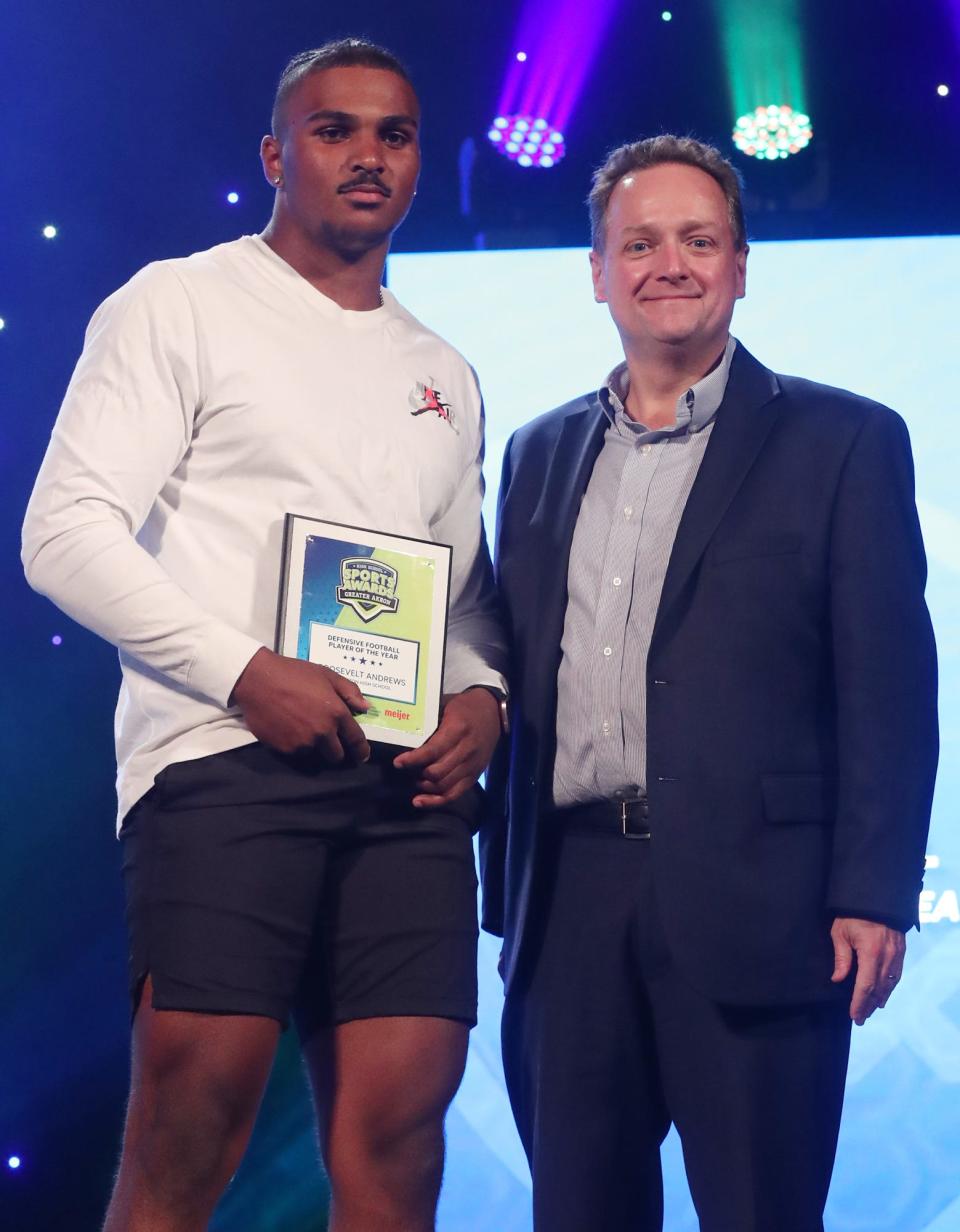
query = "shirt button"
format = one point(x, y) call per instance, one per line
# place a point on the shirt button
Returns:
point(645, 448)
point(617, 581)
point(628, 511)
point(606, 729)
point(607, 652)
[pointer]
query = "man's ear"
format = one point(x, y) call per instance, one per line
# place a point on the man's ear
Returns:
point(596, 270)
point(742, 271)
point(270, 159)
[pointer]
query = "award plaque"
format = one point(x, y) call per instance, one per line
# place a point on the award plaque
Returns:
point(373, 607)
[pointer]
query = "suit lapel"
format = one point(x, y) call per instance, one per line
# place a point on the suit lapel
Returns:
point(744, 420)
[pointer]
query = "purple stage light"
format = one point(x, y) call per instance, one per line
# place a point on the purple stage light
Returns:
point(56, 640)
point(532, 142)
point(14, 1162)
point(521, 56)
point(561, 39)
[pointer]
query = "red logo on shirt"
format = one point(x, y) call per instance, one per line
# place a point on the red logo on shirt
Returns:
point(426, 397)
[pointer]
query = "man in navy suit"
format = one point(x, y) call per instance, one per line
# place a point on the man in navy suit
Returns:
point(708, 832)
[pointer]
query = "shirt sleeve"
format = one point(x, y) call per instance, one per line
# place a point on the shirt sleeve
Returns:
point(125, 426)
point(476, 649)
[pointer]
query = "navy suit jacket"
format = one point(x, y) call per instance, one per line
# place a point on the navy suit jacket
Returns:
point(791, 685)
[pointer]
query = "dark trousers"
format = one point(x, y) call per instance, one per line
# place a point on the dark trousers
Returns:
point(605, 1045)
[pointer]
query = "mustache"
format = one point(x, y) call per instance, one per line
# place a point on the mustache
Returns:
point(369, 179)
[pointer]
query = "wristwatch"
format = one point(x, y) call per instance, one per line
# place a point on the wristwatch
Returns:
point(502, 700)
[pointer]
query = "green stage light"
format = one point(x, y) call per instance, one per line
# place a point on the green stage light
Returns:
point(771, 132)
point(764, 54)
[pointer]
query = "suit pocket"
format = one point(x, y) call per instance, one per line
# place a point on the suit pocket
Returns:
point(798, 798)
point(749, 549)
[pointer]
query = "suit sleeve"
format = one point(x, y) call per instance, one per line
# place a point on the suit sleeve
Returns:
point(493, 829)
point(886, 680)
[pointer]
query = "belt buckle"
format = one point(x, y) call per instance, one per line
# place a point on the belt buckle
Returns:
point(627, 809)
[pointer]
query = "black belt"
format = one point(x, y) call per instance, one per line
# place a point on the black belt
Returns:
point(630, 818)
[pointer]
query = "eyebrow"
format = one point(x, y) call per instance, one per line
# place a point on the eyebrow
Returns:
point(347, 117)
point(693, 224)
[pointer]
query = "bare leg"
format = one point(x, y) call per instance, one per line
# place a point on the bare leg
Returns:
point(196, 1086)
point(382, 1088)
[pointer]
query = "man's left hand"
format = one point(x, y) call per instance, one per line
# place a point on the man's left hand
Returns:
point(879, 953)
point(458, 752)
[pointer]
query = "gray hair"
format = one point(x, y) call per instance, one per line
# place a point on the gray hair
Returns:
point(652, 152)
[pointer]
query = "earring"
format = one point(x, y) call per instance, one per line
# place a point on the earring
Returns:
point(278, 180)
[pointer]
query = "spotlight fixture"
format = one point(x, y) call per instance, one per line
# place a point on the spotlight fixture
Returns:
point(529, 141)
point(49, 232)
point(3, 323)
point(233, 198)
point(943, 90)
point(521, 56)
point(666, 15)
point(772, 132)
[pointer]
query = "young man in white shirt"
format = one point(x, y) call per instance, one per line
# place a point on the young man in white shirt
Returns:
point(275, 863)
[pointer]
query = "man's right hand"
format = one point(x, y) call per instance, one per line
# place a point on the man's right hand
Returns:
point(293, 705)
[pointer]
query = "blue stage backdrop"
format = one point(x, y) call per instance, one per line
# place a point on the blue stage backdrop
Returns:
point(876, 316)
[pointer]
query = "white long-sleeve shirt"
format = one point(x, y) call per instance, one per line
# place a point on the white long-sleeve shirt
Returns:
point(216, 393)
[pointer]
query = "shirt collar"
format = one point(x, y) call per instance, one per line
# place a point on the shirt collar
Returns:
point(695, 408)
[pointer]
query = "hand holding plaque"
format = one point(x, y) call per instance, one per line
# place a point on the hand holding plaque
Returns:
point(373, 608)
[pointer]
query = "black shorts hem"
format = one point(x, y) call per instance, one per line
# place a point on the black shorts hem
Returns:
point(458, 1012)
point(222, 1007)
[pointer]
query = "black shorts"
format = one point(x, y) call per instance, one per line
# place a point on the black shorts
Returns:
point(263, 884)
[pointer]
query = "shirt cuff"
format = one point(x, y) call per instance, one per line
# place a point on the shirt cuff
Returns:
point(220, 663)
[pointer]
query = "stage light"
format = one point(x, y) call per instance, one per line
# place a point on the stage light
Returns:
point(943, 90)
point(14, 1162)
point(49, 232)
point(666, 15)
point(560, 41)
point(763, 46)
point(531, 141)
point(233, 198)
point(3, 323)
point(56, 640)
point(772, 132)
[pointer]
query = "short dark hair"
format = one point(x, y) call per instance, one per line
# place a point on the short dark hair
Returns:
point(652, 152)
point(339, 53)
